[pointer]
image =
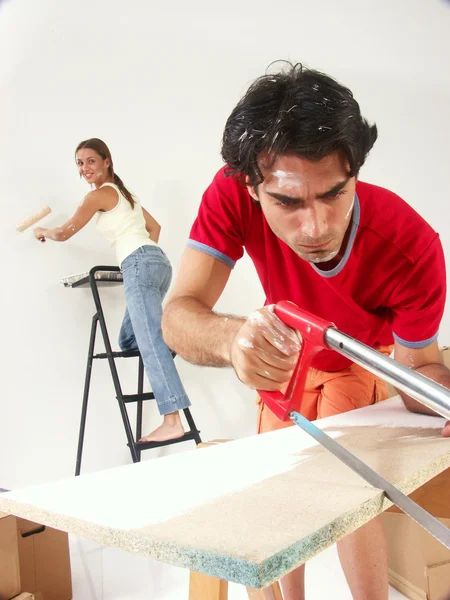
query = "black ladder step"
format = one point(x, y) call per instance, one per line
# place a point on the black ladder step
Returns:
point(138, 397)
point(189, 435)
point(128, 354)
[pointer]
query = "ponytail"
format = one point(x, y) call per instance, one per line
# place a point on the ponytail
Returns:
point(124, 190)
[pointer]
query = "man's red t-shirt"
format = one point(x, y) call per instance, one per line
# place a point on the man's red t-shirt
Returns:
point(390, 283)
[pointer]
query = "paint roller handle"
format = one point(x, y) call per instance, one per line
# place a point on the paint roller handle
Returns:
point(39, 234)
point(312, 330)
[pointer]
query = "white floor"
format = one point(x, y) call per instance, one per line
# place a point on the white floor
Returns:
point(101, 573)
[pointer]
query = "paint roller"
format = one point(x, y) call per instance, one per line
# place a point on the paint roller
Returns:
point(33, 218)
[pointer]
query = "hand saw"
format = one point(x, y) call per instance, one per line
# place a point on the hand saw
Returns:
point(319, 334)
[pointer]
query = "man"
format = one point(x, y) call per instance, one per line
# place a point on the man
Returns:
point(350, 252)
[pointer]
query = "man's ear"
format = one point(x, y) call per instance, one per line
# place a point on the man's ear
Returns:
point(251, 189)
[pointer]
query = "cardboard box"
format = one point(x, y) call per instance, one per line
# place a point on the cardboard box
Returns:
point(419, 565)
point(34, 558)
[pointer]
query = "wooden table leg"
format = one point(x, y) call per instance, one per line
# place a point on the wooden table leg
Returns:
point(204, 587)
point(272, 592)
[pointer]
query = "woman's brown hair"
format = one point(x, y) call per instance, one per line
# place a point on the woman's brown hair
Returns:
point(102, 150)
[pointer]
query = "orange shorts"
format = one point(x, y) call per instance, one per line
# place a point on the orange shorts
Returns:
point(330, 393)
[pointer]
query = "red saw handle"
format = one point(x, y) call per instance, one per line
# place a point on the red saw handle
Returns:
point(312, 330)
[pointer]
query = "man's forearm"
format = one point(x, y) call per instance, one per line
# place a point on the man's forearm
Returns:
point(197, 333)
point(438, 373)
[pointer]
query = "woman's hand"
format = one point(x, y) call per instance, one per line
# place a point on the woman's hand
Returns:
point(265, 351)
point(40, 233)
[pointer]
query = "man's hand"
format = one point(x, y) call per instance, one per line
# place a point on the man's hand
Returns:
point(264, 351)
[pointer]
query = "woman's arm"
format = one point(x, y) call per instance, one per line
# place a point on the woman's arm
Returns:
point(152, 226)
point(92, 203)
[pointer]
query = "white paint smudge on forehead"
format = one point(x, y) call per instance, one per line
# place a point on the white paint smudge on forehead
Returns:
point(287, 178)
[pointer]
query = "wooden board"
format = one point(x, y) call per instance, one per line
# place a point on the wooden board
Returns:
point(250, 510)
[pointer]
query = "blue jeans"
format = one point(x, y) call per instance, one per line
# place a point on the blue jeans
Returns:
point(147, 274)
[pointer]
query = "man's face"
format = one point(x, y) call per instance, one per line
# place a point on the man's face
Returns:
point(308, 204)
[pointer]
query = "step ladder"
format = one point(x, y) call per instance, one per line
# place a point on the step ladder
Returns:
point(110, 276)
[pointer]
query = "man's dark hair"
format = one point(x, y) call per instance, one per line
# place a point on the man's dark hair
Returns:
point(296, 111)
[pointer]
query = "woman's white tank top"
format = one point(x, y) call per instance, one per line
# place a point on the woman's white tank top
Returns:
point(123, 226)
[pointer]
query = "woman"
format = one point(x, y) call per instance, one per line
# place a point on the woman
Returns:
point(146, 275)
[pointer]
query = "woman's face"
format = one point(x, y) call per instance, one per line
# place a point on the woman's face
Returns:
point(92, 166)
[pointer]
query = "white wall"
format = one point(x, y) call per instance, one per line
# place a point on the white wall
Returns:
point(157, 81)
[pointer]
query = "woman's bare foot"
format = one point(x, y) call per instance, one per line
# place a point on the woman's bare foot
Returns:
point(171, 429)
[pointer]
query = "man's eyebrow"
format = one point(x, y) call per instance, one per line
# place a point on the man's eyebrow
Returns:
point(285, 199)
point(334, 190)
point(291, 200)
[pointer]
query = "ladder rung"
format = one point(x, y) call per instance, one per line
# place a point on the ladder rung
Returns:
point(129, 354)
point(138, 397)
point(190, 435)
